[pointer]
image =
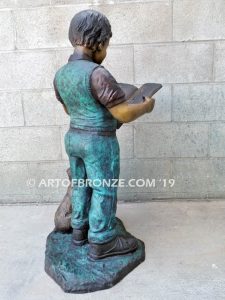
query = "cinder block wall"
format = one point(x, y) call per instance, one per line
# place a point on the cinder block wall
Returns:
point(179, 43)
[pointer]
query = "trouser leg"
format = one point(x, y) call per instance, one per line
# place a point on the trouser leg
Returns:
point(81, 194)
point(102, 163)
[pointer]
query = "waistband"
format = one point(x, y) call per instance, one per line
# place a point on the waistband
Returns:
point(104, 133)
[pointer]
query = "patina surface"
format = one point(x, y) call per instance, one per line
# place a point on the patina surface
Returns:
point(71, 268)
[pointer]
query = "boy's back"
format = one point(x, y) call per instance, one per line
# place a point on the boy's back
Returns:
point(73, 85)
point(95, 103)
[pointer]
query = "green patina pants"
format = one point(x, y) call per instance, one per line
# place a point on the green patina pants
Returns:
point(96, 158)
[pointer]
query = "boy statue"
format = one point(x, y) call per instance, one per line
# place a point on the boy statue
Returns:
point(96, 105)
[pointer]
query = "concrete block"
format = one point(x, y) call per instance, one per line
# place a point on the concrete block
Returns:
point(126, 196)
point(100, 2)
point(67, 2)
point(44, 27)
point(20, 199)
point(198, 102)
point(174, 63)
point(30, 144)
point(42, 108)
point(124, 70)
point(219, 63)
point(153, 196)
point(127, 171)
point(151, 176)
point(125, 137)
point(11, 113)
point(191, 175)
point(7, 3)
point(14, 178)
point(170, 140)
point(139, 22)
point(124, 1)
point(217, 140)
point(31, 3)
point(198, 20)
point(23, 3)
point(24, 70)
point(7, 62)
point(216, 176)
point(62, 57)
point(6, 31)
point(53, 197)
point(140, 176)
point(162, 109)
point(50, 179)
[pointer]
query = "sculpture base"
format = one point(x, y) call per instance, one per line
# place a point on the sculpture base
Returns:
point(70, 267)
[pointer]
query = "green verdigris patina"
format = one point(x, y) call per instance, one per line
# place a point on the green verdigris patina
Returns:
point(92, 155)
point(71, 268)
point(73, 83)
point(96, 251)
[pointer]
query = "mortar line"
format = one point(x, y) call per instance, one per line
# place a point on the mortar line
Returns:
point(122, 159)
point(195, 122)
point(122, 202)
point(22, 103)
point(50, 89)
point(144, 158)
point(85, 4)
point(38, 90)
point(156, 43)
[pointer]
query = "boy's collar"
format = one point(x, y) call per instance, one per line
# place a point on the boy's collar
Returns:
point(79, 55)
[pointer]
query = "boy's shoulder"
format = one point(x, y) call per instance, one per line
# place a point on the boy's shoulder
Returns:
point(101, 74)
point(79, 66)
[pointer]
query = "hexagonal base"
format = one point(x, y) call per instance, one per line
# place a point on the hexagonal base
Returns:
point(69, 266)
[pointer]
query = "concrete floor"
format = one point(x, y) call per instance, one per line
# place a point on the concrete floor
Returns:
point(185, 253)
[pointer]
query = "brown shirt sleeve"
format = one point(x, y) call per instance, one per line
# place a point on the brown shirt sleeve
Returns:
point(105, 88)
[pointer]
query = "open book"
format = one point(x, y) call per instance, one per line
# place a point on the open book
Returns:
point(137, 95)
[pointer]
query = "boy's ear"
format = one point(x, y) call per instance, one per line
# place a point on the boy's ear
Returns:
point(100, 47)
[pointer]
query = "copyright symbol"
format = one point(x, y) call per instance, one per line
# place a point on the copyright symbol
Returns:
point(31, 182)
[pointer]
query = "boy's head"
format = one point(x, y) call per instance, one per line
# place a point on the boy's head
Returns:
point(92, 30)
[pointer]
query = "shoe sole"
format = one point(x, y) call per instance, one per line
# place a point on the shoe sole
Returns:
point(79, 243)
point(95, 257)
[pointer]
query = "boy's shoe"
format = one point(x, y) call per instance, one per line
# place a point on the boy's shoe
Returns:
point(119, 245)
point(80, 236)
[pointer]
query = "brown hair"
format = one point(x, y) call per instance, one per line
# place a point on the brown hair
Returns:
point(89, 28)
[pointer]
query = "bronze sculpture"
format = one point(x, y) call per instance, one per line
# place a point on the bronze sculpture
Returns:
point(88, 236)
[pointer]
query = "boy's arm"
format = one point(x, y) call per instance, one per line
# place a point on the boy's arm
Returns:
point(108, 92)
point(59, 97)
point(65, 109)
point(126, 112)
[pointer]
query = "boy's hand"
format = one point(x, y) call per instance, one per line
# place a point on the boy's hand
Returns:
point(149, 104)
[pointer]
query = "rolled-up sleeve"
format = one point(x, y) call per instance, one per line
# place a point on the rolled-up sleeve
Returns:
point(105, 88)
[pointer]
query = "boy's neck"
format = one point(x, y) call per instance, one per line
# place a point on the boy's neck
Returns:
point(83, 51)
